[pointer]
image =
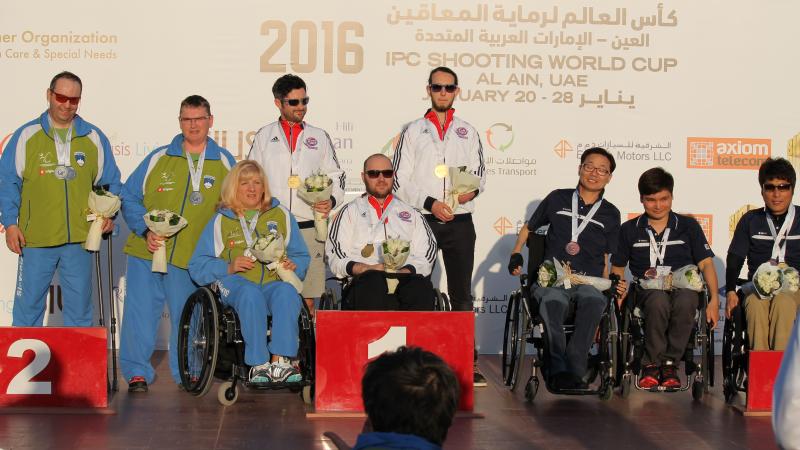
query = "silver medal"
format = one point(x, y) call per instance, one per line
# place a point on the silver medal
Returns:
point(60, 172)
point(71, 173)
point(196, 198)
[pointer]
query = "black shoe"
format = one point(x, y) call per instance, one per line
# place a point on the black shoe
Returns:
point(137, 384)
point(578, 382)
point(562, 381)
point(478, 380)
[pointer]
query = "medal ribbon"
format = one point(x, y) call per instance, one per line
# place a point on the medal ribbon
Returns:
point(778, 250)
point(196, 172)
point(248, 229)
point(658, 249)
point(578, 229)
point(63, 148)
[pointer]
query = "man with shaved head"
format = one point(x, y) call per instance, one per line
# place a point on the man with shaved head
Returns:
point(354, 245)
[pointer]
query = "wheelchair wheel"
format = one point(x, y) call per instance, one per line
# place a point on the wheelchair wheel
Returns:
point(198, 340)
point(625, 385)
point(531, 389)
point(511, 340)
point(698, 389)
point(227, 394)
point(609, 356)
point(307, 351)
point(442, 301)
point(308, 395)
point(327, 301)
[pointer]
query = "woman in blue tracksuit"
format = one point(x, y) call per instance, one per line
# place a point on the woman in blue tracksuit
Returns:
point(245, 213)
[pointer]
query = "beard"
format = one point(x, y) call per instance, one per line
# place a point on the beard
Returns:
point(443, 108)
point(379, 192)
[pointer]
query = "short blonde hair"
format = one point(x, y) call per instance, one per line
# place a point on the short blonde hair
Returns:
point(245, 169)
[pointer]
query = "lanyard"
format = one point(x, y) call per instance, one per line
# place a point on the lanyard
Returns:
point(578, 229)
point(196, 172)
point(248, 229)
point(778, 250)
point(63, 148)
point(658, 249)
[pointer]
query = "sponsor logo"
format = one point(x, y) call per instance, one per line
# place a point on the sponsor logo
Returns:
point(793, 152)
point(208, 181)
point(461, 132)
point(45, 159)
point(80, 158)
point(503, 225)
point(311, 143)
point(390, 145)
point(405, 216)
point(734, 218)
point(726, 153)
point(274, 139)
point(562, 148)
point(500, 136)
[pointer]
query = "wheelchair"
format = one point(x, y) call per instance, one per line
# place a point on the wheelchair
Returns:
point(210, 345)
point(735, 355)
point(524, 325)
point(699, 369)
point(329, 300)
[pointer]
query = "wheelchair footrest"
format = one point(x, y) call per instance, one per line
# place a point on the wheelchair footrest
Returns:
point(271, 386)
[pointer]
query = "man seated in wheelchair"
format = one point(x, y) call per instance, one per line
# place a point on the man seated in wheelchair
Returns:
point(583, 231)
point(250, 223)
point(654, 245)
point(378, 233)
point(769, 238)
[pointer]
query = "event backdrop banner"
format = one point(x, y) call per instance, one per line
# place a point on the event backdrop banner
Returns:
point(703, 89)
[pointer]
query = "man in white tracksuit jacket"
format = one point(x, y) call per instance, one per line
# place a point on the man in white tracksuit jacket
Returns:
point(290, 150)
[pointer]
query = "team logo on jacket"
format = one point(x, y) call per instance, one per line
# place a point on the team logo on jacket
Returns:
point(461, 132)
point(311, 143)
point(80, 158)
point(405, 216)
point(272, 227)
point(208, 181)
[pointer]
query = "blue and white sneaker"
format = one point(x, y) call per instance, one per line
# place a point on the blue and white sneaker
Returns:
point(283, 371)
point(260, 374)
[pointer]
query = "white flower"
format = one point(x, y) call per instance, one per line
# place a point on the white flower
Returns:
point(546, 276)
point(791, 279)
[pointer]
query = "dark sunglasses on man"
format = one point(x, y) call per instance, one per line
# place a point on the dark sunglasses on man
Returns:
point(450, 88)
point(783, 187)
point(295, 101)
point(63, 98)
point(388, 173)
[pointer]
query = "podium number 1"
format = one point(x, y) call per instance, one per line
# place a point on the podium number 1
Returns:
point(21, 383)
point(394, 338)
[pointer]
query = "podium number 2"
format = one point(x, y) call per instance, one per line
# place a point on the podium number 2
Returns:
point(395, 337)
point(21, 383)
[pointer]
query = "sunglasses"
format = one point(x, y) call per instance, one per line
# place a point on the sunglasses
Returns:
point(777, 187)
point(296, 101)
point(63, 98)
point(450, 88)
point(387, 173)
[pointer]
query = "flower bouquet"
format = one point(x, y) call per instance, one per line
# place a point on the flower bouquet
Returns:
point(687, 277)
point(461, 182)
point(102, 205)
point(271, 251)
point(317, 188)
point(791, 280)
point(564, 276)
point(766, 281)
point(395, 253)
point(546, 276)
point(163, 223)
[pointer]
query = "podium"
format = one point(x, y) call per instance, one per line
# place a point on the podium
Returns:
point(762, 371)
point(53, 367)
point(348, 340)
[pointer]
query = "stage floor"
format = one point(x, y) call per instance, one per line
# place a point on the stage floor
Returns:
point(166, 418)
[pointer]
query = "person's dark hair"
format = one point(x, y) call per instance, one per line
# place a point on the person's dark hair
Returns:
point(286, 84)
point(445, 70)
point(599, 151)
point(779, 168)
point(69, 76)
point(655, 180)
point(410, 391)
point(196, 101)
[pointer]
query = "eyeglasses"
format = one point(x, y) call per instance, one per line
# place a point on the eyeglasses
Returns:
point(588, 168)
point(192, 120)
point(63, 98)
point(450, 88)
point(777, 187)
point(296, 101)
point(387, 173)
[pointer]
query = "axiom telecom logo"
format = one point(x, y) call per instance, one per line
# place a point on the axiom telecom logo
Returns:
point(500, 136)
point(734, 219)
point(706, 222)
point(562, 148)
point(726, 153)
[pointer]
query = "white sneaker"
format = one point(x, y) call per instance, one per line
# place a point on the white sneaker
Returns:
point(260, 374)
point(283, 371)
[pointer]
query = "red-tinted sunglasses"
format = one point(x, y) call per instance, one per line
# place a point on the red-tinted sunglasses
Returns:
point(63, 98)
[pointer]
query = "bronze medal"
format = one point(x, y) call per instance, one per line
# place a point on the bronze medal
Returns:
point(368, 250)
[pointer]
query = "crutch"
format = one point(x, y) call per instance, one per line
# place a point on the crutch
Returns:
point(111, 383)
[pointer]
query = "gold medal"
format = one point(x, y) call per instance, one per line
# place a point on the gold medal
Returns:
point(293, 182)
point(440, 171)
point(367, 251)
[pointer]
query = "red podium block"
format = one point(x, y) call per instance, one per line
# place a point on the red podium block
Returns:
point(761, 373)
point(53, 367)
point(348, 340)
